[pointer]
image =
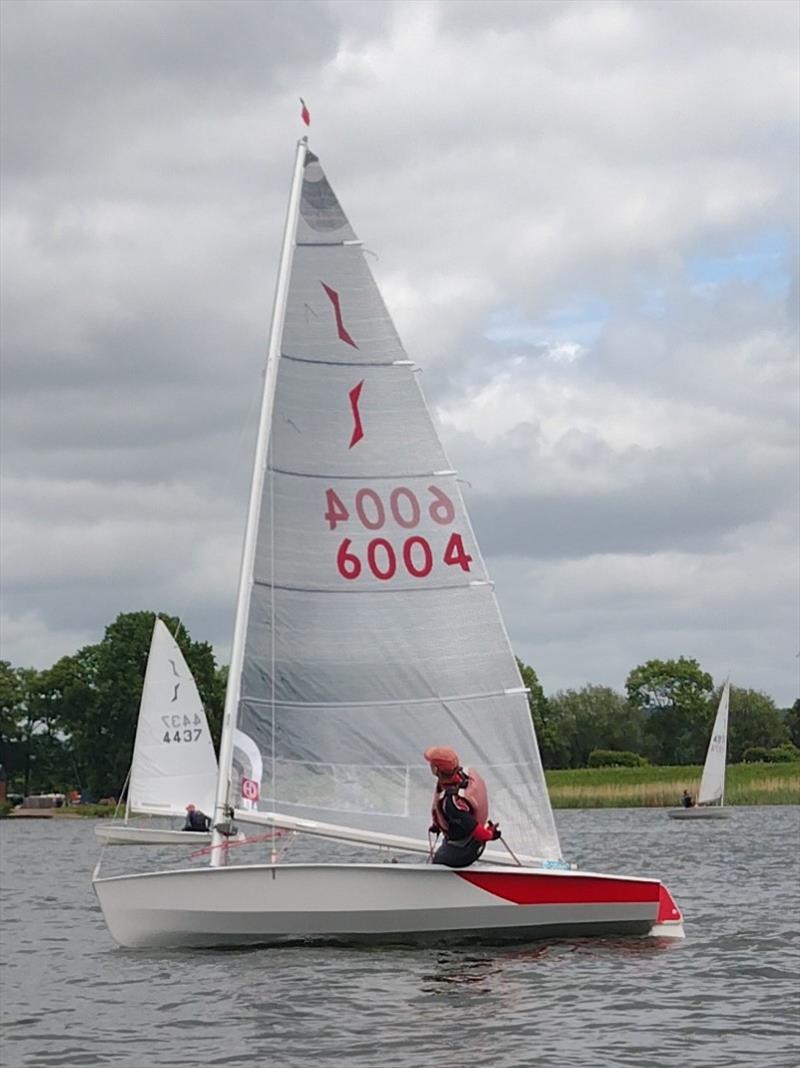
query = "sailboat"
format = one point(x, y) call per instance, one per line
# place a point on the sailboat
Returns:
point(711, 799)
point(174, 763)
point(366, 630)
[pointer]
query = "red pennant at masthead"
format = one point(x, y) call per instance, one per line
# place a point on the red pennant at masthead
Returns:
point(305, 114)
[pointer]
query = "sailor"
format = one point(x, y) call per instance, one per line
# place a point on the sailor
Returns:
point(687, 800)
point(196, 820)
point(460, 808)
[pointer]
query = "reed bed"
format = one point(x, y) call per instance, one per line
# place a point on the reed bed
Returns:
point(656, 787)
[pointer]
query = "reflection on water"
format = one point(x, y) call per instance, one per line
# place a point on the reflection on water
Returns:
point(722, 999)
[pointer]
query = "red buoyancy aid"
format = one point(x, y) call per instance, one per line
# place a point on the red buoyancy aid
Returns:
point(473, 792)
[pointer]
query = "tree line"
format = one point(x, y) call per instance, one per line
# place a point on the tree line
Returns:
point(73, 725)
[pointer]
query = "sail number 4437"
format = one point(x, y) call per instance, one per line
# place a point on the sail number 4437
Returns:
point(382, 558)
point(181, 728)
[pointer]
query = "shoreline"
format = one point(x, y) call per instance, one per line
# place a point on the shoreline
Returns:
point(651, 786)
point(654, 786)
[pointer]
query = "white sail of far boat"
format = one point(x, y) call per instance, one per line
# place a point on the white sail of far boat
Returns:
point(367, 629)
point(173, 763)
point(711, 797)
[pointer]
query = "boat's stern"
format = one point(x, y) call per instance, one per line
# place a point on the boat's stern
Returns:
point(669, 921)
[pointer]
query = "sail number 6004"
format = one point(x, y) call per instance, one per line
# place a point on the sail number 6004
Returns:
point(404, 507)
point(416, 554)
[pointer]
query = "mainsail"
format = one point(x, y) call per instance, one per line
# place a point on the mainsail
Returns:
point(712, 784)
point(173, 755)
point(373, 630)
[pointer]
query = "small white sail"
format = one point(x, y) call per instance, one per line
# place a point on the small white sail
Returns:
point(712, 785)
point(173, 756)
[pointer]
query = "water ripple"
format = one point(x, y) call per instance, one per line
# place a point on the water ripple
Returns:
point(727, 998)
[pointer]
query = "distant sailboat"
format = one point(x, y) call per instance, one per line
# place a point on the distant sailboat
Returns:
point(173, 755)
point(366, 629)
point(711, 799)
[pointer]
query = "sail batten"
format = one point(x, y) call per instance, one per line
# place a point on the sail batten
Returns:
point(337, 696)
point(389, 703)
point(367, 477)
point(348, 363)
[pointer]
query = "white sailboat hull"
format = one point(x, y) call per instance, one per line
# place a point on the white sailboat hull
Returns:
point(120, 834)
point(378, 902)
point(700, 812)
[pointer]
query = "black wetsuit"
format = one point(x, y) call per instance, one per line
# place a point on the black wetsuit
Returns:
point(196, 821)
point(459, 849)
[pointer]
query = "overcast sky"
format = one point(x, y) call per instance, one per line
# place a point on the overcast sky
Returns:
point(585, 221)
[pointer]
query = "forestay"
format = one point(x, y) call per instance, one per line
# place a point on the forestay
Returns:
point(373, 628)
point(712, 784)
point(173, 755)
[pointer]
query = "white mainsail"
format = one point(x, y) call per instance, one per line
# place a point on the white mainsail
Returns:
point(371, 628)
point(173, 756)
point(712, 784)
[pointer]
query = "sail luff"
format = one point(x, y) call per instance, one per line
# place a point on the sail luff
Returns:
point(137, 741)
point(256, 488)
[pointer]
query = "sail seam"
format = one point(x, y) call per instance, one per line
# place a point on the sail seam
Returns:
point(385, 703)
point(348, 363)
point(365, 477)
point(368, 589)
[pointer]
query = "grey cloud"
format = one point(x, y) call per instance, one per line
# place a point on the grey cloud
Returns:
point(496, 156)
point(76, 75)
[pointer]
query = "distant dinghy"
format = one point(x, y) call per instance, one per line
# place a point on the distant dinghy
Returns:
point(173, 756)
point(711, 799)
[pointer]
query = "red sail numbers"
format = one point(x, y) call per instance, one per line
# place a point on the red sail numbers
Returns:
point(382, 556)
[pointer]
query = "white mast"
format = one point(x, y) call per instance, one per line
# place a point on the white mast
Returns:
point(249, 547)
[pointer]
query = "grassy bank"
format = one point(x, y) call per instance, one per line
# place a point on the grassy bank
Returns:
point(747, 784)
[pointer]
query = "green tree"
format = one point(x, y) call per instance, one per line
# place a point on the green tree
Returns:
point(791, 719)
point(32, 747)
point(11, 710)
point(673, 696)
point(70, 688)
point(754, 721)
point(97, 693)
point(596, 717)
point(550, 733)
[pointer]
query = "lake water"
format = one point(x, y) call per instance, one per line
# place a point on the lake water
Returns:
point(726, 997)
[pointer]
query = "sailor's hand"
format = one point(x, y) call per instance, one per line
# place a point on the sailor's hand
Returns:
point(434, 829)
point(495, 829)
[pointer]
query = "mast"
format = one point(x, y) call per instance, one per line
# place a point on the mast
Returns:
point(727, 690)
point(232, 692)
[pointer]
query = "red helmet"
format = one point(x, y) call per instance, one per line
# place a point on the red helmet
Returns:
point(442, 759)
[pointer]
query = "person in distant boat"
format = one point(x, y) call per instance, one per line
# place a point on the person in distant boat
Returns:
point(687, 800)
point(460, 809)
point(196, 820)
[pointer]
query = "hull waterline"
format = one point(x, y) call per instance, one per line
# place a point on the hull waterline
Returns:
point(122, 835)
point(379, 903)
point(711, 812)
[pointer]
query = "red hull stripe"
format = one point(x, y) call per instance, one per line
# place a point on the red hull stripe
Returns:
point(535, 889)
